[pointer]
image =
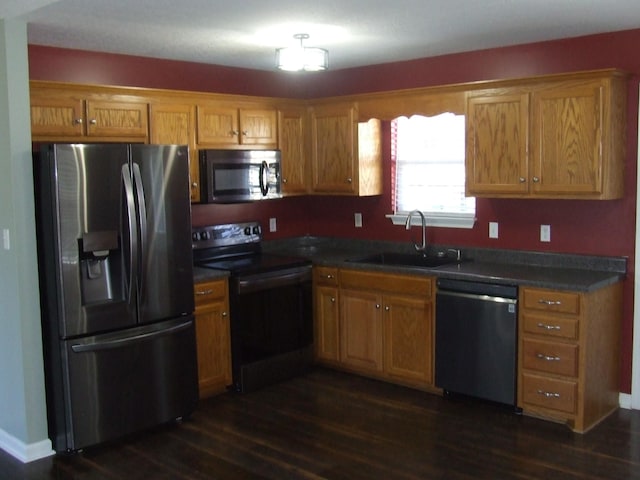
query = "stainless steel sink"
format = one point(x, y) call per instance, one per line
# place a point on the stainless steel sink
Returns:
point(406, 260)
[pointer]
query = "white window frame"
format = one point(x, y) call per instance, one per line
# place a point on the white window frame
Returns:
point(436, 219)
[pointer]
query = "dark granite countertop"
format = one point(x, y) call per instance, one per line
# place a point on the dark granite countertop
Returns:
point(545, 270)
point(207, 274)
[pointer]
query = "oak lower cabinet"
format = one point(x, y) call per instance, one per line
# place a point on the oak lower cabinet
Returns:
point(384, 326)
point(346, 155)
point(175, 124)
point(326, 314)
point(561, 136)
point(568, 362)
point(213, 338)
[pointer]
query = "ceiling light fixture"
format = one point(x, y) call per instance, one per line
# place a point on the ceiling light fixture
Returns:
point(301, 58)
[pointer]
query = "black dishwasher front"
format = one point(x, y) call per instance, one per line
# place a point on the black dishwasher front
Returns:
point(476, 339)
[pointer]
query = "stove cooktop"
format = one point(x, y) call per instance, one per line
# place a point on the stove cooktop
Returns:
point(257, 263)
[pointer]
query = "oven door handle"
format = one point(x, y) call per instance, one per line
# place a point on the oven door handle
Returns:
point(266, 281)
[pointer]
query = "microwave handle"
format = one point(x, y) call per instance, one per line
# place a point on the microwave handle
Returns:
point(264, 178)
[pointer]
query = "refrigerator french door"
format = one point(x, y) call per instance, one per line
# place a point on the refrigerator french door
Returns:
point(116, 284)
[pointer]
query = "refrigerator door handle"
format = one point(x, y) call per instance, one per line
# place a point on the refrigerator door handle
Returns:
point(132, 229)
point(142, 221)
point(126, 341)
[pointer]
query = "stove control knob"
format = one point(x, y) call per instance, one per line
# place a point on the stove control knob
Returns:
point(256, 230)
point(247, 230)
point(195, 236)
point(205, 235)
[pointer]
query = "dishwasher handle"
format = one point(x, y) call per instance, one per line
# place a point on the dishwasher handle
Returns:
point(476, 296)
point(477, 288)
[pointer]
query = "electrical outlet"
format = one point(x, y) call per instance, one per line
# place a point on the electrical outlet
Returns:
point(6, 239)
point(272, 225)
point(357, 218)
point(493, 229)
point(545, 233)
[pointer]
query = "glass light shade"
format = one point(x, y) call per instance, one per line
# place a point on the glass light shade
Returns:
point(309, 59)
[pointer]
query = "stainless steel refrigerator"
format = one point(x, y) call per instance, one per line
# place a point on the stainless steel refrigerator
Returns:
point(116, 283)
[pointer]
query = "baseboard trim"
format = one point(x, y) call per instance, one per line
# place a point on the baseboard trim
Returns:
point(25, 452)
point(625, 401)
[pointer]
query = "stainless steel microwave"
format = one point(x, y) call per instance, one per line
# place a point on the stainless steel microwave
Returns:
point(235, 176)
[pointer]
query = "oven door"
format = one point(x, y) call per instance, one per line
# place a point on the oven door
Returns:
point(271, 326)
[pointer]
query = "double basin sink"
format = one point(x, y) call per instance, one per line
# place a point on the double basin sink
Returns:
point(417, 260)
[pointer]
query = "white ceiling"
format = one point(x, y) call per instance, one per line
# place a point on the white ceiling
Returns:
point(245, 33)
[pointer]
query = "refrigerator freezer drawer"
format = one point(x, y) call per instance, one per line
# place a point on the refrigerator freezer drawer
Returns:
point(122, 382)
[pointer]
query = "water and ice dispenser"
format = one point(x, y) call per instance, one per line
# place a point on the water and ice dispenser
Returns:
point(100, 267)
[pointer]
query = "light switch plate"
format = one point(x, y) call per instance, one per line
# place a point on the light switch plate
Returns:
point(545, 233)
point(6, 239)
point(493, 229)
point(272, 225)
point(357, 218)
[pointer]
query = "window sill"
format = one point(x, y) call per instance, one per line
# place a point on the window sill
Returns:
point(449, 220)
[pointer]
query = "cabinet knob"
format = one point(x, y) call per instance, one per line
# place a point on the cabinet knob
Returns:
point(284, 180)
point(544, 326)
point(377, 305)
point(93, 121)
point(536, 179)
point(233, 133)
point(224, 314)
point(329, 276)
point(522, 180)
point(333, 299)
point(547, 358)
point(194, 185)
point(548, 394)
point(349, 180)
point(245, 133)
point(387, 308)
point(78, 121)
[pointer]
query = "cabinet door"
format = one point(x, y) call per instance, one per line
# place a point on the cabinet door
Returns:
point(408, 324)
point(497, 139)
point(361, 330)
point(59, 117)
point(327, 332)
point(116, 119)
point(332, 146)
point(568, 140)
point(258, 127)
point(175, 124)
point(291, 141)
point(218, 126)
point(214, 351)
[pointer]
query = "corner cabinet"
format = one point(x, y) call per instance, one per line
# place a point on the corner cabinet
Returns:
point(376, 324)
point(569, 354)
point(292, 142)
point(346, 155)
point(213, 338)
point(560, 137)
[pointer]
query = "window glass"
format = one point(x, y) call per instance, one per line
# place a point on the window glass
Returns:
point(428, 156)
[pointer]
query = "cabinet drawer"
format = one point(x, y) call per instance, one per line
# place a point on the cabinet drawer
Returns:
point(325, 275)
point(551, 300)
point(557, 358)
point(206, 292)
point(549, 393)
point(550, 325)
point(387, 283)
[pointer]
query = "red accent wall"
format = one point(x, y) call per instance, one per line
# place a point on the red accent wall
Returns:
point(582, 227)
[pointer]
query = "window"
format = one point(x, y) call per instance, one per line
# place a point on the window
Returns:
point(428, 160)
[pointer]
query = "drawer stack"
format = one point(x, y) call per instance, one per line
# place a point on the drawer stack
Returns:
point(569, 354)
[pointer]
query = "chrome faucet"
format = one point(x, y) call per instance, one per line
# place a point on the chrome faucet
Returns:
point(421, 248)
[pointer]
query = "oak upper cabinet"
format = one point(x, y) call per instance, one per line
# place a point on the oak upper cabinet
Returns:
point(569, 354)
point(326, 314)
point(557, 137)
point(346, 156)
point(386, 326)
point(213, 336)
point(175, 124)
point(497, 126)
point(224, 125)
point(292, 142)
point(68, 115)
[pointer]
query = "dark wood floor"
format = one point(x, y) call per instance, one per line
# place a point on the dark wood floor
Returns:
point(329, 425)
